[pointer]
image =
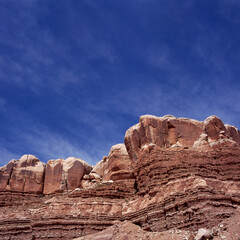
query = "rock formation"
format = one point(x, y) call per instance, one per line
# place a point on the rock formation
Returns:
point(116, 167)
point(172, 176)
point(25, 175)
point(63, 174)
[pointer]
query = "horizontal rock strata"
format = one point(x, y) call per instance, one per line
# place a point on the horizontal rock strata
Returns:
point(184, 188)
point(170, 173)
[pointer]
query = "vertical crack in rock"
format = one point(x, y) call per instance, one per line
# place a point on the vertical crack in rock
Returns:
point(10, 176)
point(136, 186)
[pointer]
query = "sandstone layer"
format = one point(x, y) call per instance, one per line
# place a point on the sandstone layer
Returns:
point(172, 175)
point(63, 174)
point(25, 175)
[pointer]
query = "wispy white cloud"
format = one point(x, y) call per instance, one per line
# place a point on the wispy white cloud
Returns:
point(51, 145)
point(28, 136)
point(37, 59)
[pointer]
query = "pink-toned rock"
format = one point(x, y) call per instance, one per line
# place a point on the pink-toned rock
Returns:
point(167, 131)
point(63, 174)
point(213, 127)
point(128, 231)
point(115, 167)
point(24, 175)
point(5, 174)
point(118, 166)
point(186, 177)
point(99, 167)
point(233, 133)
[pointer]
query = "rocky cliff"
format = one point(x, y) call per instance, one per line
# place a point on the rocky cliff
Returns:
point(170, 173)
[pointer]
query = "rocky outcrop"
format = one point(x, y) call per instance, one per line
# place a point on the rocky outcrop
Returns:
point(5, 175)
point(128, 231)
point(172, 132)
point(172, 176)
point(64, 175)
point(115, 167)
point(233, 133)
point(118, 165)
point(182, 188)
point(30, 175)
point(25, 175)
point(184, 169)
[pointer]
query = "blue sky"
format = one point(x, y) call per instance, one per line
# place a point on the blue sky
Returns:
point(75, 75)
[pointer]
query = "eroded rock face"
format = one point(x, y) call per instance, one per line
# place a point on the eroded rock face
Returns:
point(233, 133)
point(166, 131)
point(25, 175)
point(172, 132)
point(128, 231)
point(184, 184)
point(171, 174)
point(63, 174)
point(118, 165)
point(115, 167)
point(213, 127)
point(5, 175)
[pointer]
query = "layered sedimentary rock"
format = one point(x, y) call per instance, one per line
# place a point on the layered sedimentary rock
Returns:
point(169, 131)
point(129, 231)
point(184, 188)
point(114, 167)
point(64, 175)
point(185, 169)
point(171, 173)
point(117, 166)
point(25, 175)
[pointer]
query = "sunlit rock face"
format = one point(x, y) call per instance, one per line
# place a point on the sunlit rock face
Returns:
point(171, 173)
point(61, 175)
point(116, 165)
point(183, 166)
point(24, 175)
point(171, 132)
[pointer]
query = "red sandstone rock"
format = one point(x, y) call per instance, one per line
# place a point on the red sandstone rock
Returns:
point(213, 126)
point(169, 131)
point(166, 131)
point(129, 231)
point(5, 174)
point(233, 133)
point(63, 175)
point(25, 175)
point(117, 166)
point(99, 167)
point(186, 176)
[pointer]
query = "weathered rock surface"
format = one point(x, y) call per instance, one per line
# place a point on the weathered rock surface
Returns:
point(64, 175)
point(129, 231)
point(169, 131)
point(172, 177)
point(203, 234)
point(25, 175)
point(118, 165)
point(115, 167)
point(5, 175)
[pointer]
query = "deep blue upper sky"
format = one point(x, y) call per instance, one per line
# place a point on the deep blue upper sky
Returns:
point(75, 75)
